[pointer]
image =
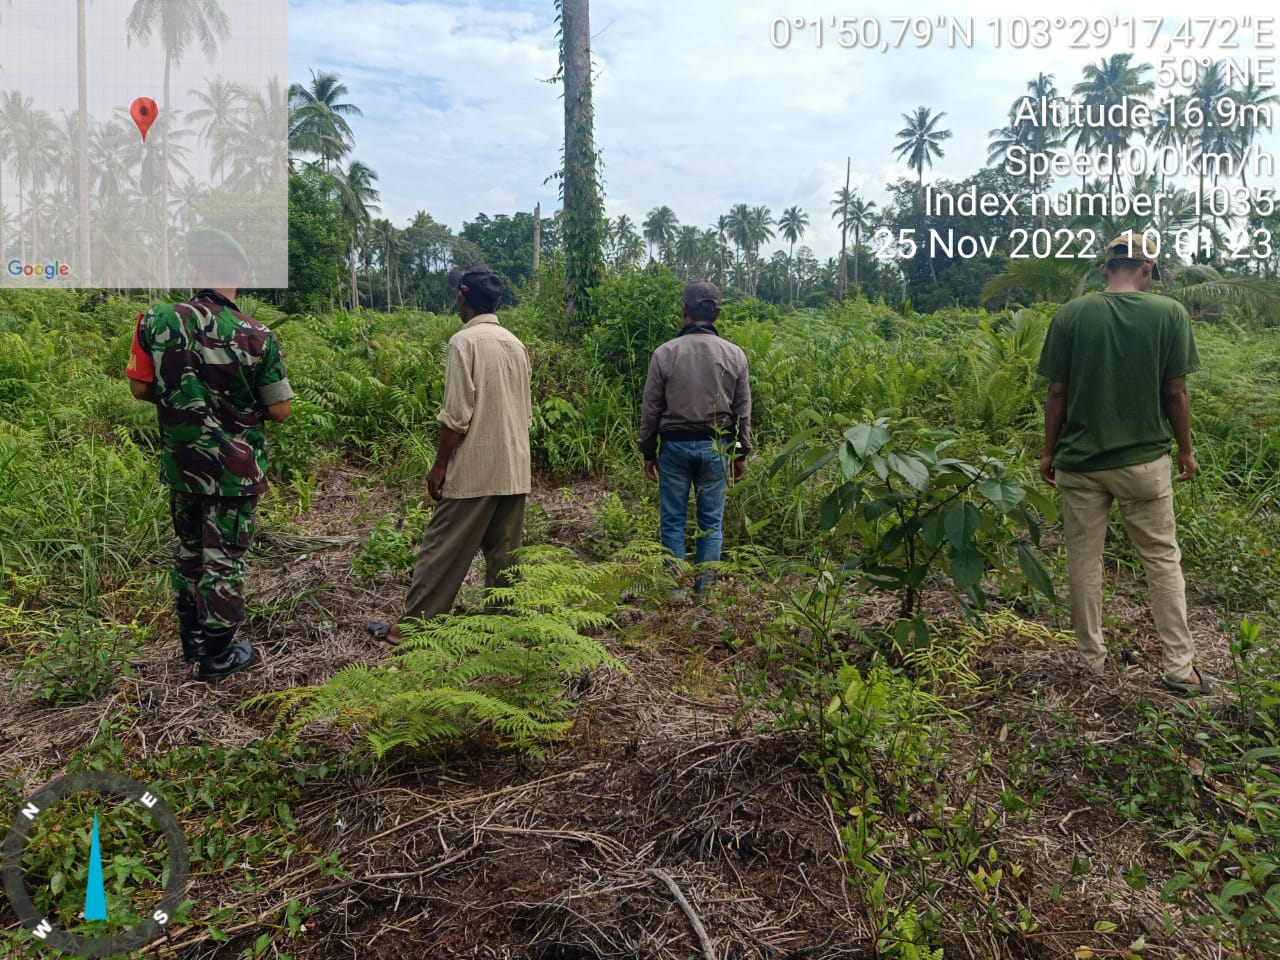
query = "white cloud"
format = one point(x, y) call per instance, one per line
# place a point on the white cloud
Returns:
point(694, 107)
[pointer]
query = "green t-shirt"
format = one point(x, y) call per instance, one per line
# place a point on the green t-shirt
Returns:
point(1114, 351)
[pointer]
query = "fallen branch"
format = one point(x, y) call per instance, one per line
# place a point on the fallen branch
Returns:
point(695, 921)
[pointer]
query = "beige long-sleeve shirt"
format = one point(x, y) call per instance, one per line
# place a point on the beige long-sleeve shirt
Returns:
point(486, 399)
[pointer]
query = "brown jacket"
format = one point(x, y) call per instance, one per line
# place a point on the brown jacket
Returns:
point(697, 389)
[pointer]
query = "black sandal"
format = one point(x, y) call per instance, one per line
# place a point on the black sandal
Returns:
point(380, 631)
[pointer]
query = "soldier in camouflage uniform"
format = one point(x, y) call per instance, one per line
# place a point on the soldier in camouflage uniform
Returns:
point(215, 376)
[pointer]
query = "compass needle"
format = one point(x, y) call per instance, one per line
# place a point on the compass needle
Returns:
point(95, 894)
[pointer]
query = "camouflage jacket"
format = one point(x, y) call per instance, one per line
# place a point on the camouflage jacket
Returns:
point(215, 371)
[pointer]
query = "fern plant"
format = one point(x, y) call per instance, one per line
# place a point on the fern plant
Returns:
point(505, 671)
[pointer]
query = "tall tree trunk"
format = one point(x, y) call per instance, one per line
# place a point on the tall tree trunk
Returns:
point(537, 244)
point(84, 267)
point(164, 179)
point(1, 208)
point(355, 291)
point(857, 242)
point(22, 212)
point(924, 224)
point(844, 229)
point(582, 207)
point(791, 262)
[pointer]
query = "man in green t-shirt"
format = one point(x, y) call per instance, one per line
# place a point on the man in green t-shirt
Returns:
point(1117, 364)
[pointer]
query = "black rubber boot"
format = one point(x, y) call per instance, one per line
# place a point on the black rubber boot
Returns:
point(191, 634)
point(223, 654)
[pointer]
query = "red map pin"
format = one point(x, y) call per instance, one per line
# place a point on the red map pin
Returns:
point(143, 110)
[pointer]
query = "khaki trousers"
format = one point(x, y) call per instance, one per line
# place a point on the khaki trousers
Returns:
point(459, 528)
point(1145, 495)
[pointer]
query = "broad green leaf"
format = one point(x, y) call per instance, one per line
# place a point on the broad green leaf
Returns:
point(960, 467)
point(1033, 528)
point(960, 523)
point(829, 510)
point(893, 577)
point(967, 567)
point(1260, 753)
point(1136, 877)
point(1237, 888)
point(931, 531)
point(892, 540)
point(850, 464)
point(1042, 504)
point(911, 470)
point(815, 466)
point(878, 508)
point(1005, 494)
point(917, 574)
point(866, 438)
point(1034, 571)
point(789, 451)
point(880, 466)
point(1104, 926)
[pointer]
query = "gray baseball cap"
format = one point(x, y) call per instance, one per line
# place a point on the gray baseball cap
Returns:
point(702, 293)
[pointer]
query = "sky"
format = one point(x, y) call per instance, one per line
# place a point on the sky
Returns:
point(700, 104)
point(695, 106)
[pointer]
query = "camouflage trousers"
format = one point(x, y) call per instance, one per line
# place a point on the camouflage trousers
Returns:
point(208, 562)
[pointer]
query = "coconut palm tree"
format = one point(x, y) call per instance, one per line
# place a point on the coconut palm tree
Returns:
point(179, 23)
point(1168, 128)
point(36, 144)
point(1210, 87)
point(317, 119)
point(919, 142)
point(740, 230)
point(1106, 84)
point(388, 240)
point(660, 229)
point(11, 105)
point(358, 198)
point(628, 245)
point(859, 212)
point(760, 225)
point(842, 206)
point(722, 241)
point(688, 249)
point(1250, 99)
point(84, 267)
point(222, 103)
point(255, 141)
point(791, 226)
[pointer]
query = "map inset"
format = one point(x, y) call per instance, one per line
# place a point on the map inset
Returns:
point(125, 124)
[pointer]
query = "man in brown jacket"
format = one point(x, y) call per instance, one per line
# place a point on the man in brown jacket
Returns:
point(695, 426)
point(481, 475)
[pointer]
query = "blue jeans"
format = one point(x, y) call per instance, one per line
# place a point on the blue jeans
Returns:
point(691, 463)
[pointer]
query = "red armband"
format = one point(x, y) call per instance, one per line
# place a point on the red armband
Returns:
point(140, 365)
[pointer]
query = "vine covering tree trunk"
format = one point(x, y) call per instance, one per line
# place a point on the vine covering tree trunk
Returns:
point(583, 211)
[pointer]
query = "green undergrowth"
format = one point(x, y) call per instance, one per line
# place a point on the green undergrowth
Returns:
point(505, 673)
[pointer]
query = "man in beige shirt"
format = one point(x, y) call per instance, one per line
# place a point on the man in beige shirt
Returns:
point(481, 472)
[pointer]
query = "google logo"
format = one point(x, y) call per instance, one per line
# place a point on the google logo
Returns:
point(17, 268)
